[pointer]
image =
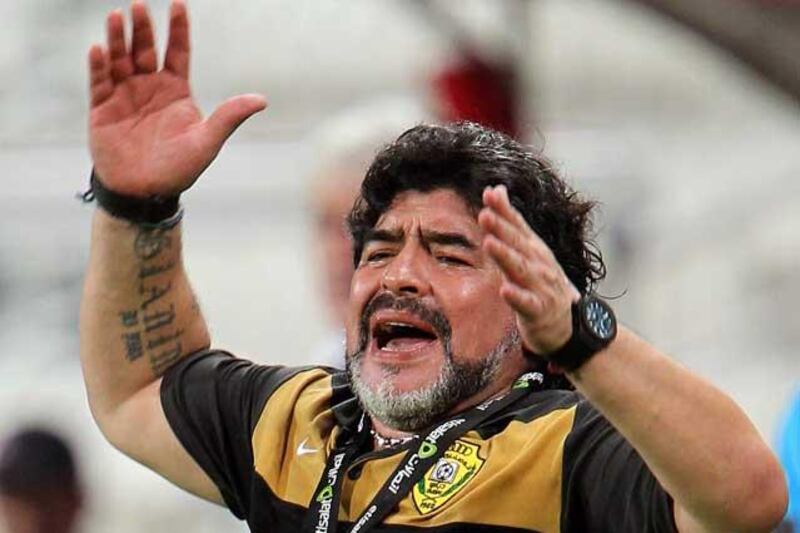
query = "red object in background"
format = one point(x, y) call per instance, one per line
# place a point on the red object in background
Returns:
point(471, 88)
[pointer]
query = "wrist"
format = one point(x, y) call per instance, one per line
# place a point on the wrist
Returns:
point(149, 211)
point(594, 326)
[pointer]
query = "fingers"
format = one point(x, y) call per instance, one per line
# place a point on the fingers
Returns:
point(494, 224)
point(522, 301)
point(230, 115)
point(496, 198)
point(142, 57)
point(178, 46)
point(143, 46)
point(100, 83)
point(501, 219)
point(511, 263)
point(534, 280)
point(521, 269)
point(121, 64)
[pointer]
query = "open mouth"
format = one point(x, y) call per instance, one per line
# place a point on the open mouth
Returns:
point(400, 336)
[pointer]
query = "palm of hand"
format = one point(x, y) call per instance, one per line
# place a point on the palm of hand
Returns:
point(145, 138)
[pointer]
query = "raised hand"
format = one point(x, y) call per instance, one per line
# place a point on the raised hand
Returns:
point(147, 136)
point(534, 284)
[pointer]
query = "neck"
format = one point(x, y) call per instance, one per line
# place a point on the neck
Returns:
point(388, 432)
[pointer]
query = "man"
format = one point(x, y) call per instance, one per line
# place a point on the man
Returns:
point(40, 489)
point(460, 319)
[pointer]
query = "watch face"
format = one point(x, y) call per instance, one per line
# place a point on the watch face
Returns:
point(600, 319)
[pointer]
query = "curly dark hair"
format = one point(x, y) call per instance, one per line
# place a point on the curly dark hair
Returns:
point(466, 158)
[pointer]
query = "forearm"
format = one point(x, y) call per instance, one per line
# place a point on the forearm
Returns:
point(138, 313)
point(695, 439)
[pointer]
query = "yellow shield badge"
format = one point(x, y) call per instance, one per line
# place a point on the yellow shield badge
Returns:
point(459, 465)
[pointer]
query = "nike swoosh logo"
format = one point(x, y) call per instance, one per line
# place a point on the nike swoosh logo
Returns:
point(302, 450)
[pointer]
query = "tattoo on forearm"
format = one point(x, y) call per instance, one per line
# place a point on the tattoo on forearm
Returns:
point(149, 243)
point(154, 270)
point(195, 305)
point(129, 318)
point(133, 345)
point(150, 329)
point(159, 319)
point(153, 294)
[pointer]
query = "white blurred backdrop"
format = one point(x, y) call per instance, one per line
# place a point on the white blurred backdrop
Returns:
point(694, 160)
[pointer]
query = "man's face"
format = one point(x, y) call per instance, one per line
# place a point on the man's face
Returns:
point(427, 329)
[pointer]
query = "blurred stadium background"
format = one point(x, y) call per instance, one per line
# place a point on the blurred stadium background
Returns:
point(680, 117)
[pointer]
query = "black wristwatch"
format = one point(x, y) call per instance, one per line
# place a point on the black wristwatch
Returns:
point(594, 326)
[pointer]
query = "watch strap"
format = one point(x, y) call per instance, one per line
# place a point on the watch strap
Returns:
point(575, 352)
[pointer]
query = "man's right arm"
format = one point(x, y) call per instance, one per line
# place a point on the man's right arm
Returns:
point(138, 317)
point(138, 313)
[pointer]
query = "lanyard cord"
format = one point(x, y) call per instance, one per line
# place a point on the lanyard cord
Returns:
point(323, 510)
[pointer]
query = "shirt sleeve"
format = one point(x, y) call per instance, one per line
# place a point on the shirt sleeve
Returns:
point(606, 485)
point(212, 402)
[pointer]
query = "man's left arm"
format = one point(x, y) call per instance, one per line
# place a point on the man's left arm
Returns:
point(698, 443)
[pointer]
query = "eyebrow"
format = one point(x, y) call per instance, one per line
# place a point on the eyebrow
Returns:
point(429, 237)
point(448, 239)
point(383, 235)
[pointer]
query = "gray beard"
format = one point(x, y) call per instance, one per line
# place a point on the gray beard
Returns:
point(415, 410)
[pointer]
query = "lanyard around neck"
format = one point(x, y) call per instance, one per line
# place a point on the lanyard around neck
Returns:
point(323, 509)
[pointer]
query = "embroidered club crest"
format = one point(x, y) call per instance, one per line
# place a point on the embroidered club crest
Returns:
point(447, 477)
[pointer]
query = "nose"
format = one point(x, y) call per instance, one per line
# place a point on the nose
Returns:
point(406, 274)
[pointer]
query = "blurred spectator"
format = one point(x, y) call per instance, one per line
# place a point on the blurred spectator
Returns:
point(788, 449)
point(344, 146)
point(40, 490)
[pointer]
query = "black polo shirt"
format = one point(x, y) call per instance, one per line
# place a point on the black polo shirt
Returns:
point(549, 463)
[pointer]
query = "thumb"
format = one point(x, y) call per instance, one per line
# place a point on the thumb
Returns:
point(230, 115)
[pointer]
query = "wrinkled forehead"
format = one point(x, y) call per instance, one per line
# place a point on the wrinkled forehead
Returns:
point(440, 210)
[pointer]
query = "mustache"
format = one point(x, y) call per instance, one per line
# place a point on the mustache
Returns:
point(433, 317)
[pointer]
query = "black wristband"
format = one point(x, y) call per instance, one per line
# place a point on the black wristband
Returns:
point(152, 211)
